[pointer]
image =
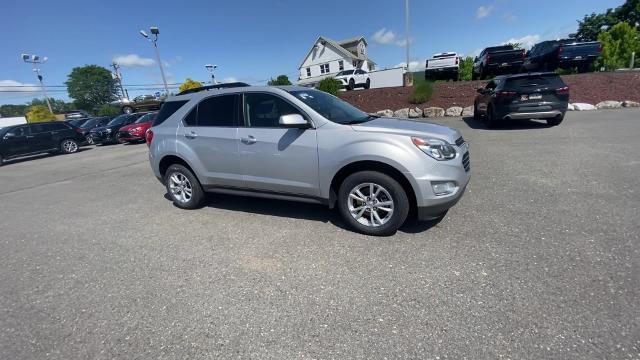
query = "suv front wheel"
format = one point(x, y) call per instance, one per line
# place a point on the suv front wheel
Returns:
point(373, 203)
point(183, 187)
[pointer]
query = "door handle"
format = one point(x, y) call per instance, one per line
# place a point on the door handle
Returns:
point(249, 140)
point(191, 135)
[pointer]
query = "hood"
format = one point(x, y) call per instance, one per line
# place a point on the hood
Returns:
point(409, 128)
point(131, 126)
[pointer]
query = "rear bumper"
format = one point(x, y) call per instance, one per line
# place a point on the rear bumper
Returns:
point(447, 70)
point(533, 115)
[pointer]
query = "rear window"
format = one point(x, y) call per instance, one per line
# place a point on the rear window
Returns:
point(168, 109)
point(58, 126)
point(534, 81)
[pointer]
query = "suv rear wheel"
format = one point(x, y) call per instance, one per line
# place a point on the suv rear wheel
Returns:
point(373, 203)
point(183, 187)
point(68, 146)
point(555, 121)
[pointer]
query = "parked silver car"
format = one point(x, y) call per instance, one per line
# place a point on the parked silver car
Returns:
point(297, 143)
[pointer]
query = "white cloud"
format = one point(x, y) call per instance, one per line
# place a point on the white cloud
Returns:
point(413, 65)
point(384, 36)
point(133, 60)
point(229, 79)
point(526, 41)
point(16, 86)
point(484, 11)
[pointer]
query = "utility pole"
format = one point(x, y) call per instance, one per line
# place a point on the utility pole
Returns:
point(116, 71)
point(408, 76)
point(35, 60)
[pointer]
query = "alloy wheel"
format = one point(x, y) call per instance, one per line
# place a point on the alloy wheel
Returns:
point(180, 187)
point(70, 146)
point(370, 204)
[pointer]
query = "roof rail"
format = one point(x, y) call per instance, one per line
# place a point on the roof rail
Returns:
point(216, 86)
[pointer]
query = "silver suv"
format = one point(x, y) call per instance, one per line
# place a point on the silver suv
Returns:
point(296, 143)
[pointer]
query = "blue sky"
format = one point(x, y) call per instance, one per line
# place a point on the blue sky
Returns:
point(253, 40)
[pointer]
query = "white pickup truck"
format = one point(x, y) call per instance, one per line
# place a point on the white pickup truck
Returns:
point(443, 66)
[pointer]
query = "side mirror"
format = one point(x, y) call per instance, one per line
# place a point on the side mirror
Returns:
point(295, 121)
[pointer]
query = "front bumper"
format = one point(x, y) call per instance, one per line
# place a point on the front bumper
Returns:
point(431, 212)
point(99, 138)
point(124, 136)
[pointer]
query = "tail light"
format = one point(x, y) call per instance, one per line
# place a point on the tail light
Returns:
point(600, 48)
point(505, 93)
point(563, 90)
point(560, 51)
point(79, 131)
point(148, 137)
point(457, 60)
point(426, 64)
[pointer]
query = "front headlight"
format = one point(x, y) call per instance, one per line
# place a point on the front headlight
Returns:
point(436, 148)
point(108, 130)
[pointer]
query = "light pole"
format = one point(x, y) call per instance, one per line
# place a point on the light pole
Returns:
point(210, 69)
point(34, 60)
point(154, 31)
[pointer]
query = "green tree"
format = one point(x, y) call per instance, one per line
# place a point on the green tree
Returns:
point(591, 26)
point(10, 110)
point(618, 43)
point(108, 110)
point(38, 113)
point(516, 45)
point(58, 106)
point(280, 80)
point(466, 69)
point(329, 85)
point(190, 84)
point(91, 86)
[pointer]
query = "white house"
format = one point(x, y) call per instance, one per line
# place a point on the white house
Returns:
point(327, 57)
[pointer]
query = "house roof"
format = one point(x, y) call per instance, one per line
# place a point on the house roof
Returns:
point(339, 46)
point(352, 41)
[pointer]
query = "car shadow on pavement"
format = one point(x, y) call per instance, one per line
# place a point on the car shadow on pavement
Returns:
point(39, 156)
point(506, 125)
point(299, 210)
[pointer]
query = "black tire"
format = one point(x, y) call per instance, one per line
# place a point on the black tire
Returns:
point(1, 160)
point(127, 110)
point(352, 85)
point(476, 112)
point(555, 121)
point(367, 84)
point(396, 193)
point(69, 146)
point(491, 119)
point(197, 194)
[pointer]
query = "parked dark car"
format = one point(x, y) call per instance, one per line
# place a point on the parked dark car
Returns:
point(107, 134)
point(523, 96)
point(136, 132)
point(142, 103)
point(563, 54)
point(36, 138)
point(76, 114)
point(77, 122)
point(93, 123)
point(496, 60)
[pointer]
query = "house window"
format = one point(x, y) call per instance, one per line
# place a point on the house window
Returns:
point(324, 68)
point(340, 65)
point(355, 63)
point(308, 72)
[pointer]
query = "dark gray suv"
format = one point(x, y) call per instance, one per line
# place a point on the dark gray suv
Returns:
point(297, 143)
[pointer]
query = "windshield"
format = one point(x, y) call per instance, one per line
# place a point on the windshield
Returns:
point(146, 118)
point(345, 72)
point(331, 107)
point(118, 120)
point(90, 123)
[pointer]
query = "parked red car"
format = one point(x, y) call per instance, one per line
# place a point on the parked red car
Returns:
point(136, 132)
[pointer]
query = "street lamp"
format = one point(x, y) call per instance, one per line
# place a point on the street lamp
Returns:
point(34, 60)
point(210, 68)
point(154, 31)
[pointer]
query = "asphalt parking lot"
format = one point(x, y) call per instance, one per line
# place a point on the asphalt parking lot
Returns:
point(540, 259)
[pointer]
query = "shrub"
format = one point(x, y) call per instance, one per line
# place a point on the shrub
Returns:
point(329, 85)
point(190, 84)
point(108, 110)
point(618, 43)
point(466, 69)
point(422, 91)
point(38, 113)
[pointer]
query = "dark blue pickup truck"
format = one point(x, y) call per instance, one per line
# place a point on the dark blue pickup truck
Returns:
point(563, 54)
point(497, 60)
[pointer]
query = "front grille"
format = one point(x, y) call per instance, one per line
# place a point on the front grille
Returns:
point(466, 162)
point(460, 141)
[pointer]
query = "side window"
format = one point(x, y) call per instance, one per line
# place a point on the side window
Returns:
point(58, 126)
point(308, 71)
point(167, 109)
point(340, 65)
point(19, 131)
point(264, 110)
point(38, 128)
point(217, 111)
point(190, 119)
